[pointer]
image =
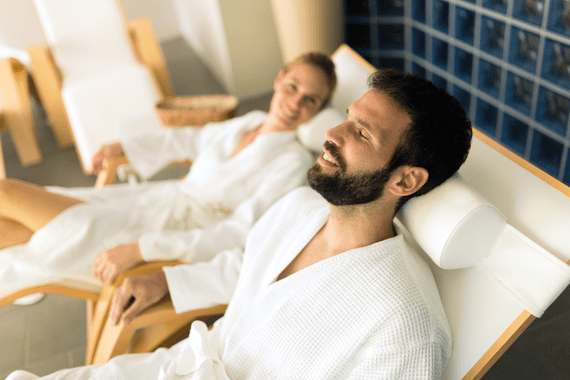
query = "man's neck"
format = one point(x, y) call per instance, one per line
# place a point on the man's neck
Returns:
point(350, 227)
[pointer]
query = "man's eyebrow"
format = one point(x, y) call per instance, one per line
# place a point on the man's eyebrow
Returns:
point(360, 121)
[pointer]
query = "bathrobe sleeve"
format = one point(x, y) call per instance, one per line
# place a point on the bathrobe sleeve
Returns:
point(285, 173)
point(150, 152)
point(204, 284)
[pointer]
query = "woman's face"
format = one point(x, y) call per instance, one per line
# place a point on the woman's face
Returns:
point(299, 95)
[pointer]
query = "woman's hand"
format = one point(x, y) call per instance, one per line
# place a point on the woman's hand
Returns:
point(104, 153)
point(111, 262)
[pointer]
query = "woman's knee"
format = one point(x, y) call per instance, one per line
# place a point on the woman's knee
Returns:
point(8, 187)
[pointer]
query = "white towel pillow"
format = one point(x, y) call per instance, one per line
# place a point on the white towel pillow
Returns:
point(312, 134)
point(453, 224)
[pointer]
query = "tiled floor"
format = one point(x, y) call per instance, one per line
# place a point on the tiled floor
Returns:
point(50, 335)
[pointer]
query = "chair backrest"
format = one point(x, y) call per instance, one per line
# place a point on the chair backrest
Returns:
point(19, 29)
point(69, 24)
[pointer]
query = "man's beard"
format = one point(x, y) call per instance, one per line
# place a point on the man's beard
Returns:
point(342, 189)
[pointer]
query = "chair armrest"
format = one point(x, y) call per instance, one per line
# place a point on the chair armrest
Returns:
point(109, 173)
point(158, 324)
point(101, 311)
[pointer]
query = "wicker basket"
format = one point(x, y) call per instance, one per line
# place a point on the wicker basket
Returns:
point(196, 110)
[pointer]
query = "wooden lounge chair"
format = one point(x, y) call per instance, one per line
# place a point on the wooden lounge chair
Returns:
point(95, 71)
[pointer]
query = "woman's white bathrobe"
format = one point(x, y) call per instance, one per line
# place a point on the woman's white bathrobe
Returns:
point(369, 313)
point(210, 210)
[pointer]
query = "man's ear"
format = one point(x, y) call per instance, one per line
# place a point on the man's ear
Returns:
point(407, 180)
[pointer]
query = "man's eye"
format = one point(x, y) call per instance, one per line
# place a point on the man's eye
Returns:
point(293, 86)
point(362, 135)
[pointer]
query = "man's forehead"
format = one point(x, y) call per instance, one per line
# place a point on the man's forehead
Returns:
point(376, 105)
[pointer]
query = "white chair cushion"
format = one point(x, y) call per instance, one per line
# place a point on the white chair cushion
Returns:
point(86, 37)
point(312, 134)
point(352, 78)
point(453, 224)
point(97, 106)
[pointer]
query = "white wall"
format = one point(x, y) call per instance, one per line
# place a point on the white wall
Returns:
point(161, 13)
point(237, 40)
point(202, 27)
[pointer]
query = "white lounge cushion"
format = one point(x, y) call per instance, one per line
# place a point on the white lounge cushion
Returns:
point(86, 37)
point(97, 106)
point(455, 225)
point(312, 134)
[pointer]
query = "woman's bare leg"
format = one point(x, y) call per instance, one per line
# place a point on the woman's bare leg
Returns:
point(13, 233)
point(29, 205)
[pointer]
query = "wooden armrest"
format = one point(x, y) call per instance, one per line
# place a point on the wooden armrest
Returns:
point(101, 312)
point(109, 173)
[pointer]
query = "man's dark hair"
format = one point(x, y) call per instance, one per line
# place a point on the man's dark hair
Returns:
point(439, 136)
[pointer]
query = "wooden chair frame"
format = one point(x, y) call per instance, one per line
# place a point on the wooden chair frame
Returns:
point(16, 112)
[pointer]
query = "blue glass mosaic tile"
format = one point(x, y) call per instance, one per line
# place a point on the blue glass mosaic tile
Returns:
point(546, 153)
point(496, 5)
point(396, 63)
point(441, 15)
point(390, 8)
point(566, 178)
point(358, 35)
point(486, 117)
point(391, 36)
point(418, 11)
point(559, 17)
point(518, 93)
point(492, 36)
point(514, 134)
point(439, 81)
point(523, 49)
point(464, 98)
point(439, 53)
point(531, 11)
point(463, 65)
point(356, 8)
point(419, 70)
point(556, 63)
point(489, 78)
point(465, 25)
point(552, 111)
point(419, 43)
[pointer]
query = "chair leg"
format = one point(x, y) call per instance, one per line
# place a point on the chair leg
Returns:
point(14, 92)
point(2, 166)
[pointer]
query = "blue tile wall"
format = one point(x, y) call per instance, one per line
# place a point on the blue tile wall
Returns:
point(506, 61)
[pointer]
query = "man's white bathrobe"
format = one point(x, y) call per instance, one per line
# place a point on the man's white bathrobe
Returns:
point(210, 210)
point(369, 313)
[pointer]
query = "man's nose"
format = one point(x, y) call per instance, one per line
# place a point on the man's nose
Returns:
point(336, 134)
